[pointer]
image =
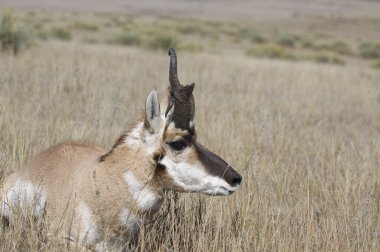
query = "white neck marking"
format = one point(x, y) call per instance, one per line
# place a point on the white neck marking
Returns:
point(146, 199)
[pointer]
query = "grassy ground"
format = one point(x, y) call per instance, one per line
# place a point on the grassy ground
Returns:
point(304, 136)
point(194, 35)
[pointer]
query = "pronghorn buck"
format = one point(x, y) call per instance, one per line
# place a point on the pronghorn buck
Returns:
point(85, 191)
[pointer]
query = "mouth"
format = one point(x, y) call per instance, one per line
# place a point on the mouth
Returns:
point(234, 189)
point(220, 191)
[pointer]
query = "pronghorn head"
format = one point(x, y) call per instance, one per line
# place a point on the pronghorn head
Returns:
point(181, 163)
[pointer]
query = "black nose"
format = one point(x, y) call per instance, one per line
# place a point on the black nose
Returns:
point(232, 177)
point(236, 181)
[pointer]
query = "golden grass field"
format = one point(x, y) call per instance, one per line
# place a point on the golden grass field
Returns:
point(304, 136)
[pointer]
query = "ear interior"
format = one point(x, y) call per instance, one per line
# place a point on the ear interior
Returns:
point(152, 112)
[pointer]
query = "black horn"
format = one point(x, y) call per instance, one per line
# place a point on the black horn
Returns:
point(181, 97)
point(173, 76)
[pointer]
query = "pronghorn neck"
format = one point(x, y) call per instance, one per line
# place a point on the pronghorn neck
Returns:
point(132, 160)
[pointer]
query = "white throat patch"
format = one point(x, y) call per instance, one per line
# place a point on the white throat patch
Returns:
point(145, 198)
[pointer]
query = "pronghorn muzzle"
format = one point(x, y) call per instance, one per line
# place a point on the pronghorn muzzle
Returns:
point(216, 166)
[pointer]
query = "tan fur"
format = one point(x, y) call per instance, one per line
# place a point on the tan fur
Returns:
point(71, 173)
point(89, 192)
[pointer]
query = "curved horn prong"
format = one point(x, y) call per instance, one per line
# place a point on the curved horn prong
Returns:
point(173, 76)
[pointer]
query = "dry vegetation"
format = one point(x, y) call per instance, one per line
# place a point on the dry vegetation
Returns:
point(305, 137)
point(187, 34)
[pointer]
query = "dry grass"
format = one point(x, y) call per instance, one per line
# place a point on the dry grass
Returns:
point(188, 34)
point(305, 137)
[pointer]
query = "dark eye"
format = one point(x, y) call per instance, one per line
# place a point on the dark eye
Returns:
point(178, 145)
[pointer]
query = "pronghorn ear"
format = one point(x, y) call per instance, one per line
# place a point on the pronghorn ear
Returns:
point(152, 112)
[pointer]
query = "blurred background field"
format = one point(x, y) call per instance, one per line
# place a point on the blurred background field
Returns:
point(340, 32)
point(286, 91)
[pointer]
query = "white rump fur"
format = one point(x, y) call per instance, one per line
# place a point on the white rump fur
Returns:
point(26, 196)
